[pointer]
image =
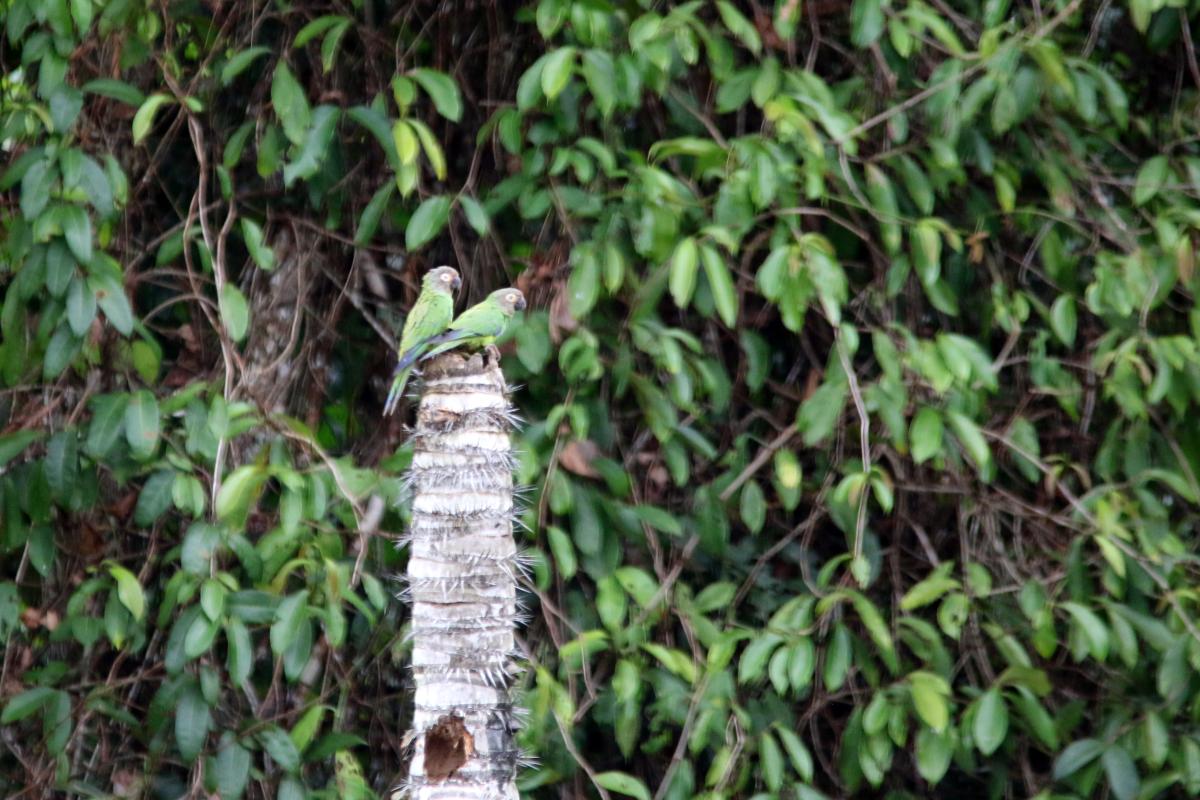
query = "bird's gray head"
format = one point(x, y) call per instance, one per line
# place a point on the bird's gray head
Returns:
point(510, 300)
point(442, 279)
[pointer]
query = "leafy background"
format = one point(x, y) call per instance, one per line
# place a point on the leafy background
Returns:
point(859, 383)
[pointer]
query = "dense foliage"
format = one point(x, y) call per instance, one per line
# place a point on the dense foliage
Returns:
point(860, 384)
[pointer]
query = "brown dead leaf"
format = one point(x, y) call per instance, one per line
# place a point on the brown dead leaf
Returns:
point(975, 242)
point(577, 457)
point(1185, 260)
point(561, 321)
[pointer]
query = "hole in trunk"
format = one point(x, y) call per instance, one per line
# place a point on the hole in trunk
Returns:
point(448, 745)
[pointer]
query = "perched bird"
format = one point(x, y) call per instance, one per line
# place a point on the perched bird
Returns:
point(428, 317)
point(478, 326)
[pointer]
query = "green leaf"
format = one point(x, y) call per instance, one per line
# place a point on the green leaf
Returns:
point(36, 184)
point(192, 722)
point(739, 26)
point(925, 434)
point(239, 489)
point(405, 139)
point(1006, 111)
point(973, 443)
point(600, 72)
point(837, 658)
point(476, 214)
point(280, 747)
point(659, 519)
point(929, 696)
point(142, 424)
point(563, 551)
point(212, 599)
point(331, 43)
point(529, 87)
point(623, 783)
point(427, 221)
point(129, 591)
point(155, 498)
point(110, 294)
point(237, 64)
point(368, 222)
point(306, 728)
point(753, 506)
point(557, 71)
point(754, 658)
point(931, 589)
point(1122, 774)
point(1063, 320)
point(685, 265)
point(77, 228)
point(883, 197)
point(798, 754)
point(62, 462)
point(199, 544)
point(991, 722)
point(934, 751)
point(12, 444)
point(290, 104)
point(1092, 626)
point(315, 146)
point(25, 704)
point(108, 423)
point(317, 27)
point(260, 251)
point(235, 311)
point(873, 621)
point(1150, 179)
point(377, 125)
point(232, 770)
point(239, 658)
point(56, 722)
point(292, 612)
point(431, 146)
point(143, 120)
point(442, 89)
point(291, 788)
point(1076, 756)
point(720, 282)
point(60, 351)
point(866, 22)
point(771, 761)
point(116, 89)
point(81, 306)
point(819, 414)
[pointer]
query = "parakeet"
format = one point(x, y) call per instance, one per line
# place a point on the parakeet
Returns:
point(478, 326)
point(428, 317)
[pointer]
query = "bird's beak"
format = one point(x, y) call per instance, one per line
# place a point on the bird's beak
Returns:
point(457, 283)
point(520, 304)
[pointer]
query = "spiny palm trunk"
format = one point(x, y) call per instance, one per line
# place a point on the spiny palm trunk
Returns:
point(462, 580)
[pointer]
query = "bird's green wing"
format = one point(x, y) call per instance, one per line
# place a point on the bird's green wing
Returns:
point(477, 326)
point(429, 316)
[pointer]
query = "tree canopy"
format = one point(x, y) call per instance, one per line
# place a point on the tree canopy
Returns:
point(857, 382)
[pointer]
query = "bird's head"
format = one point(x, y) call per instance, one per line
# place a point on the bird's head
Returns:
point(510, 300)
point(443, 279)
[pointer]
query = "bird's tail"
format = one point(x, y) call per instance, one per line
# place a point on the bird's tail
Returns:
point(397, 390)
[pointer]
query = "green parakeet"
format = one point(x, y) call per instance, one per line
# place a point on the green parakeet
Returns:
point(428, 317)
point(478, 326)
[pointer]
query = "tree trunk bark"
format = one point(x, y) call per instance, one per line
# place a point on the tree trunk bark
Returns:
point(462, 571)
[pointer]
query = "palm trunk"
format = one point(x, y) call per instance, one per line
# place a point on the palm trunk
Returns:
point(462, 580)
